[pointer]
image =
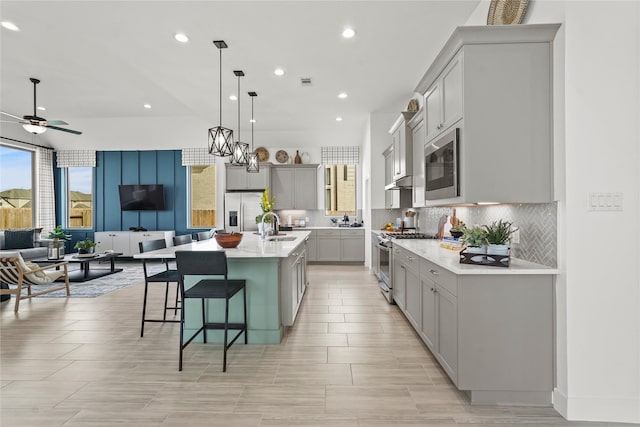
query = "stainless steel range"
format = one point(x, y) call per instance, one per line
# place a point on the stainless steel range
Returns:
point(385, 259)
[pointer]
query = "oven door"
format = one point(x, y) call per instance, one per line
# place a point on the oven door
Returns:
point(384, 268)
point(441, 167)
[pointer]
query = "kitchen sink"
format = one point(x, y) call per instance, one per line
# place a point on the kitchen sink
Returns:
point(281, 239)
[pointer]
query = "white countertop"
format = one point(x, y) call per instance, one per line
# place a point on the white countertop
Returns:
point(450, 260)
point(330, 227)
point(251, 246)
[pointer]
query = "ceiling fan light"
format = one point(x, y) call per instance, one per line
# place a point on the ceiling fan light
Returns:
point(240, 155)
point(220, 141)
point(34, 129)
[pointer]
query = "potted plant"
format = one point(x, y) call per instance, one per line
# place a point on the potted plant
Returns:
point(55, 248)
point(475, 239)
point(498, 235)
point(457, 230)
point(266, 204)
point(86, 246)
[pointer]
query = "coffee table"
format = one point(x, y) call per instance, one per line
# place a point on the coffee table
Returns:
point(85, 273)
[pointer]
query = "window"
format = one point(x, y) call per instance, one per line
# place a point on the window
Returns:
point(340, 189)
point(201, 185)
point(80, 197)
point(16, 187)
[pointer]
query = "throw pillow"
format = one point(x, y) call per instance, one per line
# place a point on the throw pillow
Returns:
point(33, 266)
point(18, 239)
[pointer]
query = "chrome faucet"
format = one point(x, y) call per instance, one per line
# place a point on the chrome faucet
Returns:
point(275, 230)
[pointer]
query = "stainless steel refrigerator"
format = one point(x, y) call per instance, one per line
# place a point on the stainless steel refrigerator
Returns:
point(241, 210)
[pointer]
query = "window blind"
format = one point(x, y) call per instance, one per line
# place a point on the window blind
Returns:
point(76, 158)
point(340, 155)
point(197, 157)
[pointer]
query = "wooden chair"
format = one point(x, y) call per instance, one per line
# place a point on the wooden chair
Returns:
point(210, 263)
point(14, 271)
point(183, 239)
point(164, 276)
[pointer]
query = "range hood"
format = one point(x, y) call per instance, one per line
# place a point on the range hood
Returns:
point(400, 184)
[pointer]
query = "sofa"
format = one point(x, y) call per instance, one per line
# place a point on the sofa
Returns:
point(26, 241)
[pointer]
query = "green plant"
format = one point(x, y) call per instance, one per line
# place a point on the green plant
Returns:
point(459, 226)
point(475, 236)
point(85, 244)
point(266, 204)
point(59, 233)
point(499, 232)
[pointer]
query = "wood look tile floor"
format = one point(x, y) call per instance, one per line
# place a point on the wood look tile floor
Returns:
point(351, 360)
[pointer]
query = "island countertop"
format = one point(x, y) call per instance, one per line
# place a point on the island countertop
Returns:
point(251, 246)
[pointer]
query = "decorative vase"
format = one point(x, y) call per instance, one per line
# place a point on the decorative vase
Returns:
point(55, 249)
point(305, 157)
point(298, 159)
point(83, 251)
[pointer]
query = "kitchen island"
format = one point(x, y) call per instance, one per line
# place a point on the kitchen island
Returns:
point(275, 271)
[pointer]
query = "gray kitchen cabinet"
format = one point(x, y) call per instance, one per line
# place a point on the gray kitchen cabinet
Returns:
point(238, 179)
point(495, 85)
point(294, 186)
point(447, 335)
point(328, 244)
point(396, 198)
point(375, 255)
point(399, 279)
point(429, 320)
point(293, 284)
point(443, 100)
point(414, 300)
point(388, 165)
point(352, 245)
point(402, 152)
point(418, 131)
point(312, 247)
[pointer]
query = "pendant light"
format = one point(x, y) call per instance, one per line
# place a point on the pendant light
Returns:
point(254, 165)
point(220, 138)
point(240, 156)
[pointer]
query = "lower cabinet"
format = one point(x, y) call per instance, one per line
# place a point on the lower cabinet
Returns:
point(293, 274)
point(336, 245)
point(491, 333)
point(126, 242)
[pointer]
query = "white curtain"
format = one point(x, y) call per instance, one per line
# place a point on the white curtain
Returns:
point(46, 197)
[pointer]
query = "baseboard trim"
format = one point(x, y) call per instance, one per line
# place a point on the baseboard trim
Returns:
point(600, 409)
point(560, 402)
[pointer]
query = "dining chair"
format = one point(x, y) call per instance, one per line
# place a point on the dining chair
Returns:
point(212, 264)
point(182, 239)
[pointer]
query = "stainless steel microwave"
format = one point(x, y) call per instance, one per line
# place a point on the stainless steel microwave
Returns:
point(441, 167)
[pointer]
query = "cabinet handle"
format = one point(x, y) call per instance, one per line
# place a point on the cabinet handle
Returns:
point(434, 272)
point(410, 258)
point(402, 266)
point(433, 290)
point(294, 254)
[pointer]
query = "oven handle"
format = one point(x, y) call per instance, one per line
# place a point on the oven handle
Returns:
point(382, 248)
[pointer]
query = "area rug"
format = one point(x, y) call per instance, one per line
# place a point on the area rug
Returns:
point(131, 273)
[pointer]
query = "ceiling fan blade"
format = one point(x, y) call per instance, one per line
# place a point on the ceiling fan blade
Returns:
point(75, 132)
point(56, 122)
point(11, 115)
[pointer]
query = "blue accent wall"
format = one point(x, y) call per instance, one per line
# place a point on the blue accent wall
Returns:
point(134, 167)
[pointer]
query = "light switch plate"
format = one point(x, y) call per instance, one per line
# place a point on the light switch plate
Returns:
point(604, 201)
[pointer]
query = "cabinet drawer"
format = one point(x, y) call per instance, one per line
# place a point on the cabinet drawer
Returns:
point(328, 233)
point(352, 234)
point(441, 276)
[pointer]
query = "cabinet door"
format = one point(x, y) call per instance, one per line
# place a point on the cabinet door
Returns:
point(312, 248)
point(452, 93)
point(257, 181)
point(419, 138)
point(236, 177)
point(397, 153)
point(399, 281)
point(328, 248)
point(447, 335)
point(120, 242)
point(389, 199)
point(388, 167)
point(414, 300)
point(103, 241)
point(375, 257)
point(432, 102)
point(352, 246)
point(282, 187)
point(305, 188)
point(429, 313)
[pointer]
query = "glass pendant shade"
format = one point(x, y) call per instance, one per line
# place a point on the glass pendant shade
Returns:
point(220, 141)
point(254, 165)
point(35, 129)
point(254, 162)
point(240, 156)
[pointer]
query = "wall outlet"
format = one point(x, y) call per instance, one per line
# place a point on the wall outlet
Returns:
point(515, 236)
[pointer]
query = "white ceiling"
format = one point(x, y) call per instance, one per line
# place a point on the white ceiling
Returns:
point(100, 61)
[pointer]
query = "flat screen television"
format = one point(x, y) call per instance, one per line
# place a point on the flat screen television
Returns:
point(141, 197)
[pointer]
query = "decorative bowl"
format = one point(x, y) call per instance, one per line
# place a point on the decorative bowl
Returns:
point(228, 240)
point(456, 234)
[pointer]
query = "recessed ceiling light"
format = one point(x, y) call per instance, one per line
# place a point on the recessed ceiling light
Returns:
point(338, 119)
point(278, 72)
point(348, 33)
point(252, 120)
point(182, 38)
point(342, 95)
point(147, 106)
point(41, 108)
point(233, 97)
point(10, 26)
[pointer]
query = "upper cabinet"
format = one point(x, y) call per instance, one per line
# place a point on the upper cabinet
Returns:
point(402, 147)
point(239, 179)
point(295, 186)
point(444, 99)
point(396, 198)
point(494, 83)
point(419, 137)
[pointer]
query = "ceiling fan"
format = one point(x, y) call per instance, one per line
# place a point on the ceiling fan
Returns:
point(37, 125)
